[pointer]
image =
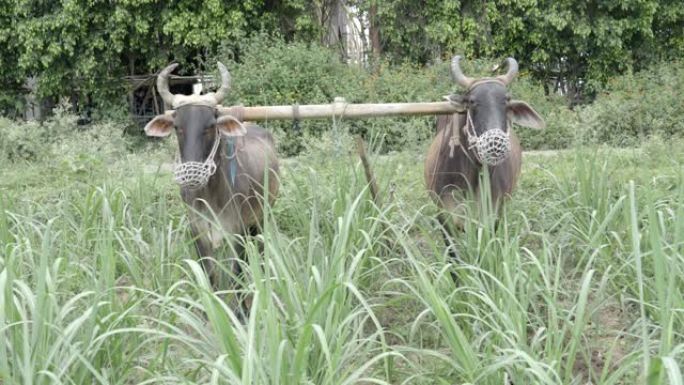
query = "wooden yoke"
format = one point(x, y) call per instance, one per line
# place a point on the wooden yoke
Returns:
point(340, 108)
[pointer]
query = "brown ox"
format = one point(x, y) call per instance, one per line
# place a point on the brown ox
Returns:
point(223, 167)
point(465, 140)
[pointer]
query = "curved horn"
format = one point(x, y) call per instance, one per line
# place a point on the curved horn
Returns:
point(225, 83)
point(457, 73)
point(163, 84)
point(512, 71)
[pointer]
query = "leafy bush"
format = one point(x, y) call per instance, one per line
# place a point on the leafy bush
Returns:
point(59, 138)
point(271, 72)
point(558, 132)
point(635, 107)
point(268, 71)
point(31, 140)
point(19, 141)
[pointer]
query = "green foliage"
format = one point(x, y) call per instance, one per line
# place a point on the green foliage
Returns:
point(82, 49)
point(21, 141)
point(272, 72)
point(584, 43)
point(559, 131)
point(60, 137)
point(582, 282)
point(635, 107)
point(421, 32)
point(11, 76)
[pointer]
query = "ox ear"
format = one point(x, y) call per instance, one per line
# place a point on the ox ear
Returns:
point(229, 126)
point(522, 114)
point(457, 100)
point(160, 126)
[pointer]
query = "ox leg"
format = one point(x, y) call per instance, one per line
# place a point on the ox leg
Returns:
point(245, 298)
point(452, 225)
point(205, 253)
point(239, 280)
point(448, 233)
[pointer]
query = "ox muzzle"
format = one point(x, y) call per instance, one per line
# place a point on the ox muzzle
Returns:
point(492, 147)
point(194, 175)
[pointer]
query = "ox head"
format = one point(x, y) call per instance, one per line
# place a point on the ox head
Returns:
point(490, 110)
point(198, 123)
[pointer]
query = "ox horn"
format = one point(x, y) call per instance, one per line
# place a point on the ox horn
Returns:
point(457, 73)
point(163, 84)
point(225, 83)
point(512, 71)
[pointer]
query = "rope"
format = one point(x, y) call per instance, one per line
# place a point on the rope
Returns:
point(490, 148)
point(236, 114)
point(231, 154)
point(455, 139)
point(295, 117)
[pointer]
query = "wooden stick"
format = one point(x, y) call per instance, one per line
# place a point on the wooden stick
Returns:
point(361, 148)
point(341, 109)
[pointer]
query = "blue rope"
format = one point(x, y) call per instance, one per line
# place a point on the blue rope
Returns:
point(232, 159)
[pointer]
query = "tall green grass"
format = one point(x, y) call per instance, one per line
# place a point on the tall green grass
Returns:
point(580, 282)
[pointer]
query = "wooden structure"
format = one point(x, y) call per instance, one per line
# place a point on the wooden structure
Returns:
point(144, 102)
point(340, 109)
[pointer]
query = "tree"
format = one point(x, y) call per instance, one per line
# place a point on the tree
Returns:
point(11, 77)
point(571, 46)
point(84, 47)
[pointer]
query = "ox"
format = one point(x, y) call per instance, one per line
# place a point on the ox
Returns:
point(479, 136)
point(222, 169)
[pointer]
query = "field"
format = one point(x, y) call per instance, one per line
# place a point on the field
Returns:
point(582, 283)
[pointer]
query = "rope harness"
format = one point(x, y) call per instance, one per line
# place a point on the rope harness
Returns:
point(231, 154)
point(295, 117)
point(492, 147)
point(193, 175)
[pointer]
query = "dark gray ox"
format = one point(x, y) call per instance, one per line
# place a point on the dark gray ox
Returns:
point(456, 156)
point(223, 166)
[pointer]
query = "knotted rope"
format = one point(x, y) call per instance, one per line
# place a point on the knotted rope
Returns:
point(493, 146)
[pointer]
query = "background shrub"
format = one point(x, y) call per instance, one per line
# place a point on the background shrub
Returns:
point(60, 138)
point(635, 107)
point(271, 72)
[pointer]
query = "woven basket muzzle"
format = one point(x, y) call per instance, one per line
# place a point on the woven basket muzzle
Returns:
point(492, 147)
point(194, 175)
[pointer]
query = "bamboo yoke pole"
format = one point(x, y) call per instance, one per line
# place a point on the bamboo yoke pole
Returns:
point(340, 108)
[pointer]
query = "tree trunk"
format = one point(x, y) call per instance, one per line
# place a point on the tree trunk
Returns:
point(374, 31)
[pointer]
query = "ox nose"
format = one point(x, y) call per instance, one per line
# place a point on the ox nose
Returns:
point(492, 147)
point(194, 175)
